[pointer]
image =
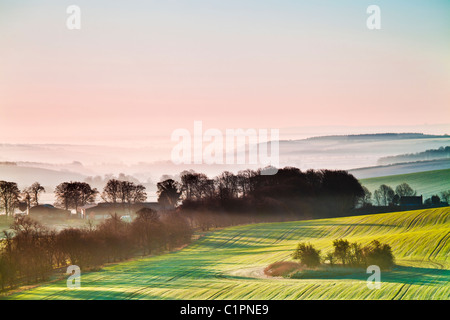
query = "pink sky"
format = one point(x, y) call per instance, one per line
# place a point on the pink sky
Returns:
point(129, 74)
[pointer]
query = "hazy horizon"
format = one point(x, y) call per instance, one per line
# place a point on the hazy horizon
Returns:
point(287, 133)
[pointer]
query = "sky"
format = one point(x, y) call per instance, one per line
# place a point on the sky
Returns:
point(137, 71)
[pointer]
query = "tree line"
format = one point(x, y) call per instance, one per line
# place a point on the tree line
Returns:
point(229, 191)
point(431, 154)
point(386, 196)
point(70, 195)
point(31, 251)
point(228, 198)
point(348, 254)
point(250, 196)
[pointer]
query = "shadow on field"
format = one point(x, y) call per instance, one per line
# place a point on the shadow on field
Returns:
point(263, 236)
point(399, 274)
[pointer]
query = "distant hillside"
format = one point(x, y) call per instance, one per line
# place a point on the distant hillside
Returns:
point(400, 168)
point(151, 161)
point(378, 136)
point(425, 183)
point(25, 176)
point(431, 154)
point(355, 151)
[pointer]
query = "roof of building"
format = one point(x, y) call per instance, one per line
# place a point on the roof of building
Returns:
point(47, 209)
point(411, 200)
point(109, 208)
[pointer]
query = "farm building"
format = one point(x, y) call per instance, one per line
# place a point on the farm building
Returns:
point(104, 210)
point(411, 201)
point(47, 211)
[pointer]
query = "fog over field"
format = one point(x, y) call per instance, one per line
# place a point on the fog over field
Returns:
point(51, 164)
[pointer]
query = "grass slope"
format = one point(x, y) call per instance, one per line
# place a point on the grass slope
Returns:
point(220, 264)
point(426, 183)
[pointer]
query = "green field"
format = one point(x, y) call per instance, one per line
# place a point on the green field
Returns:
point(426, 183)
point(228, 263)
point(5, 223)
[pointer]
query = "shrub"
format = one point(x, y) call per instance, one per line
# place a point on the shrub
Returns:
point(341, 250)
point(307, 254)
point(356, 255)
point(329, 257)
point(379, 254)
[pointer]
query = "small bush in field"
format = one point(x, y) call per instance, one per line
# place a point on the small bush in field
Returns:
point(354, 255)
point(379, 254)
point(307, 254)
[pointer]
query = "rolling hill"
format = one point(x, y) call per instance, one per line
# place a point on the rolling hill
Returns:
point(400, 168)
point(426, 183)
point(228, 263)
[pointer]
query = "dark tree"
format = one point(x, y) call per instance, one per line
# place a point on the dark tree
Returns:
point(195, 186)
point(148, 230)
point(227, 185)
point(445, 196)
point(72, 195)
point(244, 182)
point(342, 188)
point(188, 182)
point(404, 190)
point(377, 197)
point(366, 199)
point(112, 192)
point(25, 196)
point(133, 193)
point(120, 191)
point(379, 254)
point(30, 195)
point(9, 197)
point(169, 192)
point(341, 250)
point(307, 254)
point(385, 194)
point(35, 190)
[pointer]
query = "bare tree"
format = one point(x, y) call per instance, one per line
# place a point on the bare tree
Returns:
point(147, 230)
point(25, 196)
point(71, 195)
point(404, 190)
point(9, 197)
point(385, 193)
point(366, 199)
point(341, 250)
point(377, 197)
point(118, 191)
point(445, 196)
point(112, 191)
point(138, 194)
point(227, 185)
point(169, 192)
point(244, 181)
point(189, 182)
point(35, 190)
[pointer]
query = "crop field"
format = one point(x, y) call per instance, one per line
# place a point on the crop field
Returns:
point(228, 263)
point(426, 183)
